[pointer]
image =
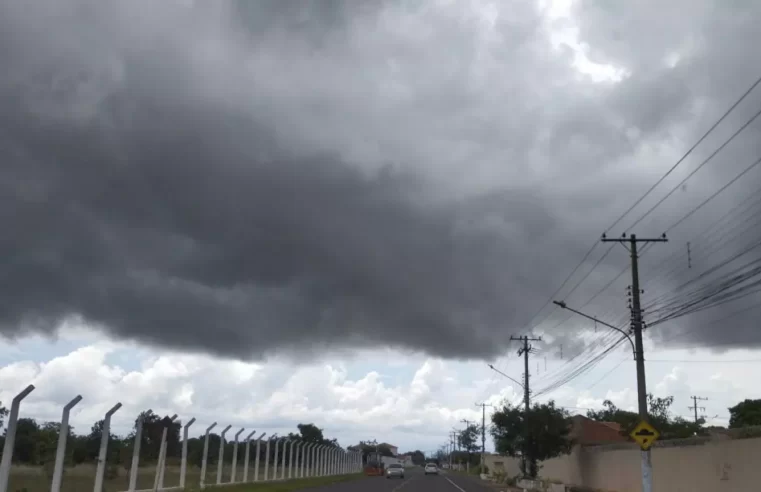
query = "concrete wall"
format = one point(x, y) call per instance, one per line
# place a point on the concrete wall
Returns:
point(689, 465)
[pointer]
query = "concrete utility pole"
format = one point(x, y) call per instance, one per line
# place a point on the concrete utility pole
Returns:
point(695, 400)
point(452, 447)
point(483, 433)
point(637, 326)
point(525, 351)
point(468, 423)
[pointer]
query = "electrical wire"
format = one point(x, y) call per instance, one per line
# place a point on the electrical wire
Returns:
point(700, 166)
point(608, 373)
point(645, 195)
point(581, 370)
point(689, 151)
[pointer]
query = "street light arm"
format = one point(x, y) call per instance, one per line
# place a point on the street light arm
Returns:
point(505, 375)
point(563, 305)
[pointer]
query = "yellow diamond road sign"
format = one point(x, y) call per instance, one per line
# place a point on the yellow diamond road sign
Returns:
point(645, 435)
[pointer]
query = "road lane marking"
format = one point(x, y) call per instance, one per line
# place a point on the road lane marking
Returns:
point(404, 482)
point(455, 485)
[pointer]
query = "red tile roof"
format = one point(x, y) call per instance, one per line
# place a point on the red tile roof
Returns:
point(588, 431)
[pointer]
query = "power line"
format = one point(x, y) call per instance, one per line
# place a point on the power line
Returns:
point(652, 188)
point(608, 373)
point(700, 166)
point(696, 361)
point(720, 190)
point(689, 151)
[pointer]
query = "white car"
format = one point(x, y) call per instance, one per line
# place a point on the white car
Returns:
point(431, 469)
point(395, 470)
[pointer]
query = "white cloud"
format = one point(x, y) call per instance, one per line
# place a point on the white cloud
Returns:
point(407, 399)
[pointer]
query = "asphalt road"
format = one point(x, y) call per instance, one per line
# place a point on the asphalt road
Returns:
point(415, 481)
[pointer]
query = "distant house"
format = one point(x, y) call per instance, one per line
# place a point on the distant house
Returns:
point(587, 431)
point(584, 431)
point(394, 450)
point(406, 459)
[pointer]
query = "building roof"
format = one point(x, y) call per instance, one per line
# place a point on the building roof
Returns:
point(588, 431)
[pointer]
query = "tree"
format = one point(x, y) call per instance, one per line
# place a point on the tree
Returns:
point(659, 414)
point(541, 435)
point(747, 413)
point(150, 440)
point(367, 448)
point(311, 433)
point(469, 438)
point(26, 449)
point(418, 457)
point(3, 414)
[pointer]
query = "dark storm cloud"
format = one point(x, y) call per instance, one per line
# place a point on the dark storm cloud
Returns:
point(245, 177)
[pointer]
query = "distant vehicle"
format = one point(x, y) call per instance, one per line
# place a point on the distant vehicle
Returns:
point(374, 467)
point(395, 470)
point(431, 469)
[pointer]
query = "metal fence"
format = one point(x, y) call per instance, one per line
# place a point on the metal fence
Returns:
point(299, 459)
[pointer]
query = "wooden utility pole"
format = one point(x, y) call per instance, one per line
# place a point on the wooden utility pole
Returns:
point(695, 400)
point(637, 327)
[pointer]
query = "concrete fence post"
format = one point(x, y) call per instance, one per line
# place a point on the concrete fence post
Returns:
point(258, 453)
point(296, 445)
point(247, 456)
point(320, 458)
point(60, 453)
point(205, 457)
point(103, 453)
point(307, 456)
point(275, 458)
point(285, 455)
point(267, 457)
point(10, 437)
point(304, 449)
point(158, 482)
point(235, 455)
point(136, 454)
point(184, 461)
point(221, 461)
point(304, 456)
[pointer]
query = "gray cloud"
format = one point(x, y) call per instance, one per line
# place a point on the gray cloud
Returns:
point(247, 177)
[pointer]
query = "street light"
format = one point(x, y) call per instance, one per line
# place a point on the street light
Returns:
point(563, 305)
point(505, 375)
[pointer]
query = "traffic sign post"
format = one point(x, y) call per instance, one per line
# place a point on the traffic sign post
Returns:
point(645, 435)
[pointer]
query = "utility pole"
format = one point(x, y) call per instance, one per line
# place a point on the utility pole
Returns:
point(468, 424)
point(483, 433)
point(695, 400)
point(637, 326)
point(525, 351)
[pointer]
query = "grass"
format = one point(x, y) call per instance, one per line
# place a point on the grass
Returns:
point(82, 477)
point(291, 485)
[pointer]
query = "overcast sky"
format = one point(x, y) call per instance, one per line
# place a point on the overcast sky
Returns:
point(346, 208)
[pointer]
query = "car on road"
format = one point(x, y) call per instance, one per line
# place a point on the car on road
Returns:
point(395, 470)
point(431, 469)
